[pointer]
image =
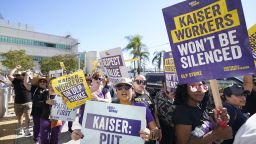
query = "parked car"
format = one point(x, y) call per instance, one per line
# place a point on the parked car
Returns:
point(154, 82)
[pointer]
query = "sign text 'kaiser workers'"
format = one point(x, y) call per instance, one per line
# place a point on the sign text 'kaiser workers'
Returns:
point(73, 88)
point(106, 123)
point(208, 39)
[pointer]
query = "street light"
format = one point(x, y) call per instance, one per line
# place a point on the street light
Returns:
point(78, 61)
point(77, 54)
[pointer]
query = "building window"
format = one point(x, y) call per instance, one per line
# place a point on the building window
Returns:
point(21, 41)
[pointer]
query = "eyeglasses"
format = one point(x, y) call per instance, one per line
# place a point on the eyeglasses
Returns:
point(98, 78)
point(140, 82)
point(125, 87)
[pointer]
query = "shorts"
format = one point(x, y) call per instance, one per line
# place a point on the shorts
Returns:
point(23, 108)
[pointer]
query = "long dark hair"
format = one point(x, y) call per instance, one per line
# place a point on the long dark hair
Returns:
point(181, 96)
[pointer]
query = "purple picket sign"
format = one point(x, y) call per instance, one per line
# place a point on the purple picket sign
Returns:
point(208, 39)
point(171, 78)
point(113, 124)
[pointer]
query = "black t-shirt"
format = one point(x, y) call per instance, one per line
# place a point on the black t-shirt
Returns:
point(144, 98)
point(46, 107)
point(38, 96)
point(250, 103)
point(194, 116)
point(22, 95)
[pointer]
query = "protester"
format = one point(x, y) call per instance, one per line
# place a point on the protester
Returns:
point(88, 79)
point(250, 89)
point(22, 101)
point(164, 101)
point(39, 92)
point(97, 94)
point(124, 93)
point(234, 99)
point(141, 95)
point(247, 132)
point(192, 122)
point(107, 87)
point(49, 129)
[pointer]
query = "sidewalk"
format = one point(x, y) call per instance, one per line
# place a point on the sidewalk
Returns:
point(8, 133)
point(8, 126)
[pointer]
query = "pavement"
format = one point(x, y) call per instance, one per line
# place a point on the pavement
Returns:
point(8, 130)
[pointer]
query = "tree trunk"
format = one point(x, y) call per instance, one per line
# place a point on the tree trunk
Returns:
point(134, 69)
point(138, 69)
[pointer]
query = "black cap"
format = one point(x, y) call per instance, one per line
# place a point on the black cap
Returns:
point(234, 89)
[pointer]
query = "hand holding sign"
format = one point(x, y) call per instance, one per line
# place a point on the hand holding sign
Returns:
point(145, 134)
point(221, 116)
point(50, 101)
point(95, 96)
point(77, 134)
point(18, 67)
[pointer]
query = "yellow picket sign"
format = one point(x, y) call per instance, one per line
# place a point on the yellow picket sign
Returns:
point(73, 89)
point(131, 60)
point(95, 63)
point(62, 65)
point(252, 39)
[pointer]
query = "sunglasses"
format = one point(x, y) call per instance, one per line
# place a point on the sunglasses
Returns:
point(98, 79)
point(125, 87)
point(140, 82)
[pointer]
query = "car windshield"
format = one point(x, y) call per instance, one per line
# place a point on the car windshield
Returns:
point(155, 79)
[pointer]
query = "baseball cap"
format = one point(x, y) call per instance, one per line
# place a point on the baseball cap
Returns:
point(123, 81)
point(234, 89)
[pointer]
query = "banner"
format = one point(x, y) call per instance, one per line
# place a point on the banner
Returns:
point(73, 88)
point(56, 73)
point(107, 123)
point(113, 63)
point(208, 39)
point(252, 39)
point(60, 111)
point(171, 78)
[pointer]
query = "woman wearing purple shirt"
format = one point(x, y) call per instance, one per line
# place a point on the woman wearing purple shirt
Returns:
point(124, 94)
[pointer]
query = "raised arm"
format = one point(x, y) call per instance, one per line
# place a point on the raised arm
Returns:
point(10, 75)
point(248, 82)
point(26, 81)
point(106, 99)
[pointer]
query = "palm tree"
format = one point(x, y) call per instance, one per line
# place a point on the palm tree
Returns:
point(137, 49)
point(158, 58)
point(144, 56)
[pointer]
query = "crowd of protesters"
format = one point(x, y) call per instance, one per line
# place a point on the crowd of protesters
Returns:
point(182, 115)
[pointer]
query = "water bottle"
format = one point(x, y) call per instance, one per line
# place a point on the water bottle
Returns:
point(201, 130)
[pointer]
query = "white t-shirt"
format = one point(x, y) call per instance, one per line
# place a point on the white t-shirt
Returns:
point(247, 132)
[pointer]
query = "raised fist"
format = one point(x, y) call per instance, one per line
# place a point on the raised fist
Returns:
point(18, 67)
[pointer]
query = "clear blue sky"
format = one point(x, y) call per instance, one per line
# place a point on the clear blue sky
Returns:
point(101, 24)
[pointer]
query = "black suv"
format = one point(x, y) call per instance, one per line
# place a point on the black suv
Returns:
point(154, 82)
